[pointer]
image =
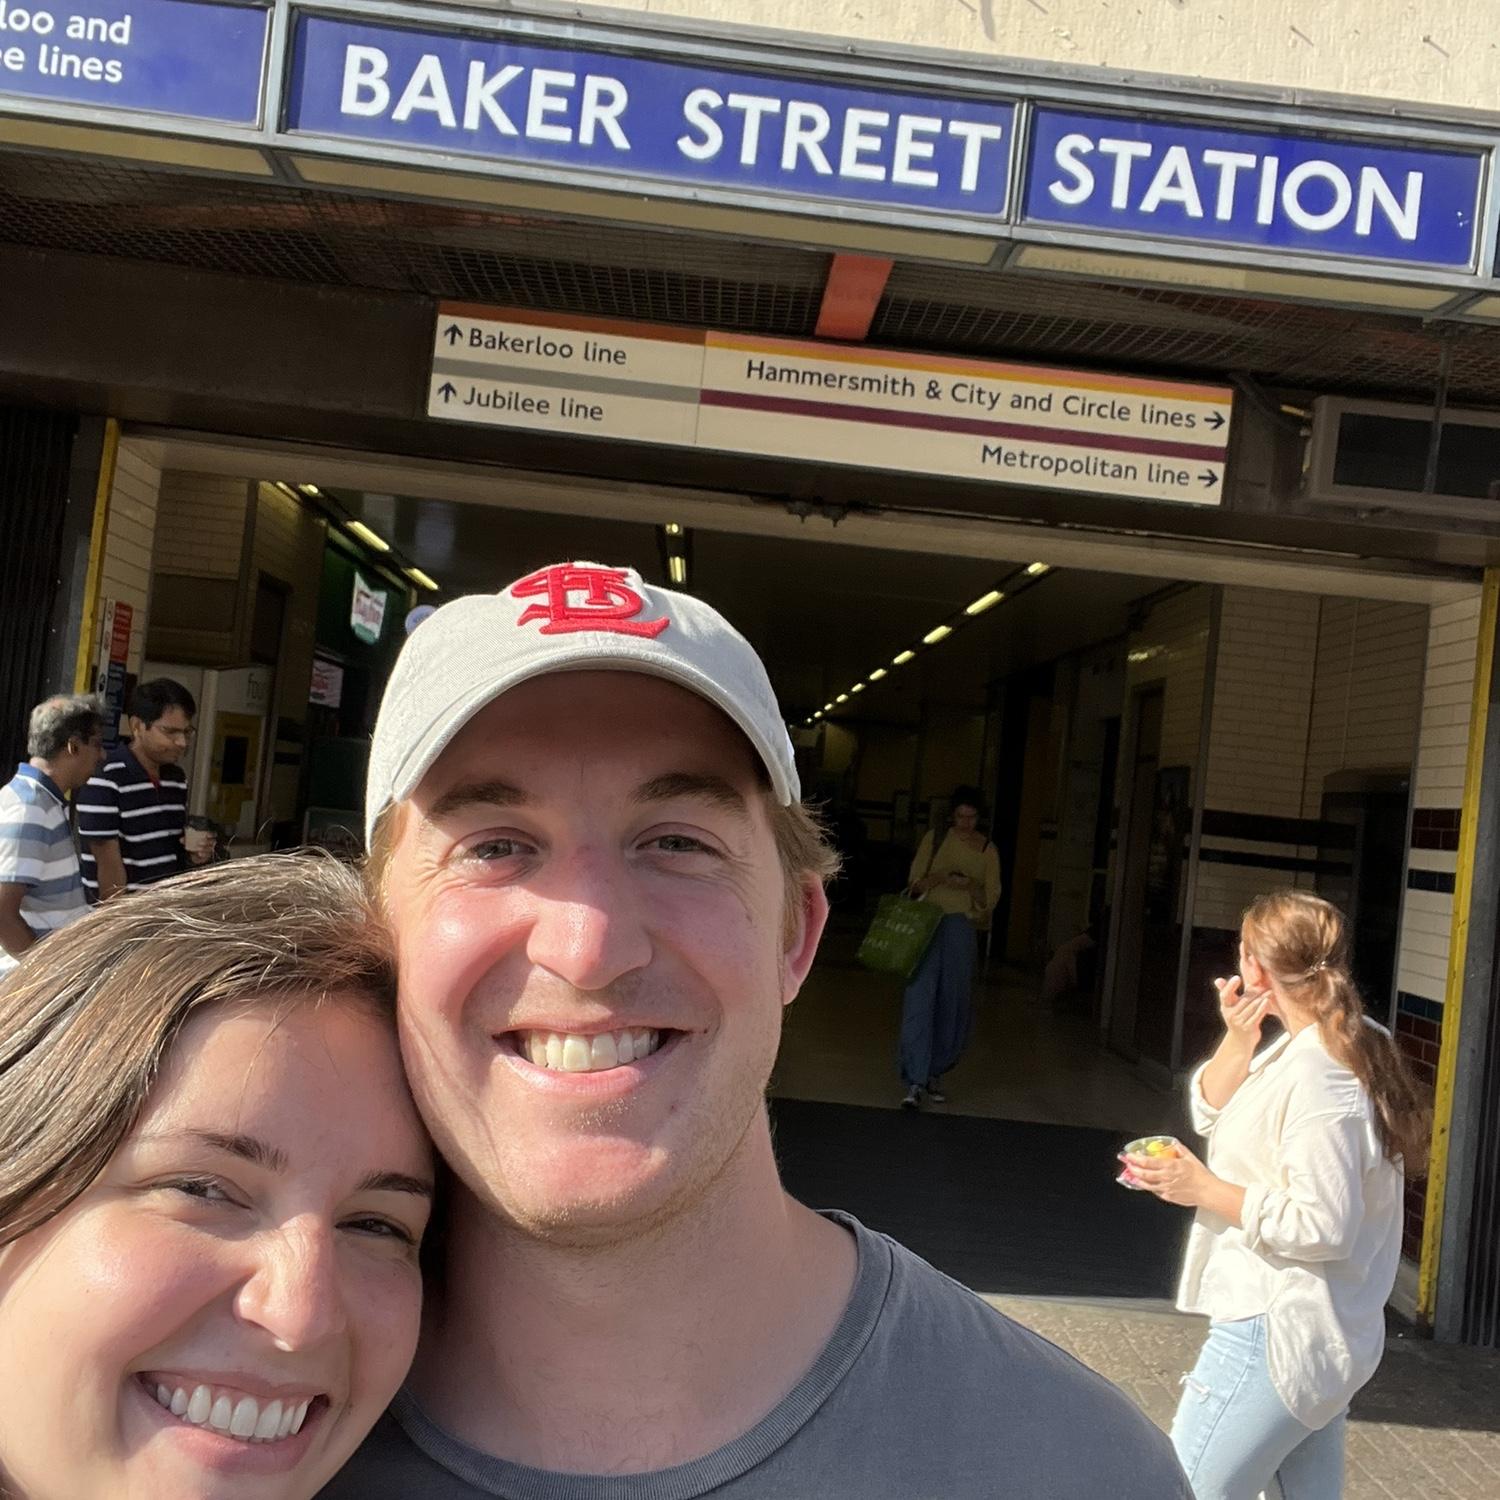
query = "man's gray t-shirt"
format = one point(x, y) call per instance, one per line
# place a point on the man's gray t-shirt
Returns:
point(924, 1392)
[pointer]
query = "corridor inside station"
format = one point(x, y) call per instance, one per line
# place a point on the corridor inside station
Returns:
point(1154, 749)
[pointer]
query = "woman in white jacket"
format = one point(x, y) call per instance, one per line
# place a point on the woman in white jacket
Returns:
point(1295, 1242)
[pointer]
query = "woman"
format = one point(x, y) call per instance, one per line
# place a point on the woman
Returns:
point(1294, 1246)
point(213, 1186)
point(962, 876)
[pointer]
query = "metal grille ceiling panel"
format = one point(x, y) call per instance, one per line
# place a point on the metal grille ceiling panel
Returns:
point(1288, 343)
point(436, 250)
point(394, 245)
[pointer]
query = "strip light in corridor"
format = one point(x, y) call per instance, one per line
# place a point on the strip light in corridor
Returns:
point(677, 568)
point(368, 537)
point(418, 576)
point(1014, 583)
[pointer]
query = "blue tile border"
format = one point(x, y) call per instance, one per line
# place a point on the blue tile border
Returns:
point(1419, 1006)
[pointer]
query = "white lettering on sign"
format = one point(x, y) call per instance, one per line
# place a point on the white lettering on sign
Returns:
point(545, 103)
point(53, 59)
point(1315, 195)
point(789, 136)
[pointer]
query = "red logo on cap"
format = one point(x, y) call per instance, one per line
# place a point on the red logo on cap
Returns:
point(608, 602)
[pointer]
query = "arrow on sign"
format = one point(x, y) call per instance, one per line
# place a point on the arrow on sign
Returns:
point(447, 391)
point(453, 333)
point(1215, 419)
point(1208, 479)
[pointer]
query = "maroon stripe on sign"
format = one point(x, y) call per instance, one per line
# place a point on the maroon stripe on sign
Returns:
point(796, 407)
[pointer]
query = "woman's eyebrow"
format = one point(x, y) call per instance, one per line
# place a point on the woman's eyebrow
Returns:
point(263, 1154)
point(247, 1147)
point(396, 1182)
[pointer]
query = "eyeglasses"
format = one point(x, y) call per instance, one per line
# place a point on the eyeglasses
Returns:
point(180, 736)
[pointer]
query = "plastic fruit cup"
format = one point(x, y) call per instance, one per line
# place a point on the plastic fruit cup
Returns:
point(1146, 1145)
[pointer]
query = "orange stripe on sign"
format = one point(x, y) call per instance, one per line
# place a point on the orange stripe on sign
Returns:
point(1030, 374)
point(479, 313)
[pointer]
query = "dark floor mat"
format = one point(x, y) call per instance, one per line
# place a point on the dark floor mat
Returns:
point(1000, 1205)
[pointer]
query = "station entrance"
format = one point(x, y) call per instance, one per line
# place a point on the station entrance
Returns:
point(1160, 732)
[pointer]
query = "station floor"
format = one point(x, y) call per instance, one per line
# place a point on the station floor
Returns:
point(1009, 1187)
point(1026, 1062)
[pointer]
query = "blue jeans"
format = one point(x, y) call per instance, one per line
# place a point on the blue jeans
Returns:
point(937, 1011)
point(1234, 1435)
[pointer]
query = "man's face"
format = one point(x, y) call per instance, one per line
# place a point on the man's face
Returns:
point(164, 742)
point(82, 760)
point(587, 875)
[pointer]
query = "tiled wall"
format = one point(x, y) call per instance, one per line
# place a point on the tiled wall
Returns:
point(128, 543)
point(202, 525)
point(1367, 693)
point(1427, 916)
point(1257, 758)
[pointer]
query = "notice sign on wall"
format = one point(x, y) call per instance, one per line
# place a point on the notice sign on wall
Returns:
point(187, 58)
point(1017, 424)
point(366, 611)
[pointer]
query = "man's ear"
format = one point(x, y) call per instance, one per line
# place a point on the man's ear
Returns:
point(803, 936)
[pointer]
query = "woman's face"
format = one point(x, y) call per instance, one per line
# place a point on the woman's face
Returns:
point(226, 1311)
point(965, 818)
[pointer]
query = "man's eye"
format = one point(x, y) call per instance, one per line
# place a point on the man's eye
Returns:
point(679, 843)
point(495, 849)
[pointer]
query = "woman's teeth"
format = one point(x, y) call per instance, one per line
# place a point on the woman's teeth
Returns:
point(234, 1414)
point(566, 1052)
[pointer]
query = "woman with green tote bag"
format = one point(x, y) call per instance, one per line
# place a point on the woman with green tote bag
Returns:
point(961, 876)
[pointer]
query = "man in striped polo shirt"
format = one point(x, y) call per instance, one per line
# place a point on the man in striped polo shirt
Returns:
point(41, 885)
point(132, 815)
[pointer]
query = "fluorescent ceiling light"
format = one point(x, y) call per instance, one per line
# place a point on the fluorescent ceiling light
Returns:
point(858, 687)
point(902, 659)
point(677, 568)
point(877, 674)
point(367, 536)
point(673, 529)
point(936, 634)
point(418, 576)
point(817, 715)
point(1201, 275)
point(827, 708)
point(984, 602)
point(309, 489)
point(842, 698)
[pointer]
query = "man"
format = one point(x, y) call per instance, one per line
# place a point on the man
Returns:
point(585, 825)
point(132, 816)
point(41, 885)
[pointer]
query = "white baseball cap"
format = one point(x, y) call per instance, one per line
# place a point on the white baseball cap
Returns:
point(569, 617)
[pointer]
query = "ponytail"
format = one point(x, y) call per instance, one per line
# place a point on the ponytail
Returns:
point(1303, 942)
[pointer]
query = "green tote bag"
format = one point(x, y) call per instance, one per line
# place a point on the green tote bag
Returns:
point(899, 935)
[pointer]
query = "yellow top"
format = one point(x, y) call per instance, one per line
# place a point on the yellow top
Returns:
point(980, 867)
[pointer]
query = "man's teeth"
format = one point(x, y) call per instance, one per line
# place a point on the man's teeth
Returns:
point(233, 1414)
point(566, 1052)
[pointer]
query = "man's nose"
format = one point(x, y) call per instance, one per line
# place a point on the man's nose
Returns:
point(295, 1289)
point(589, 928)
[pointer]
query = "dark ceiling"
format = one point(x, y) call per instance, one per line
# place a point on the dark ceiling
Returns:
point(822, 614)
point(345, 240)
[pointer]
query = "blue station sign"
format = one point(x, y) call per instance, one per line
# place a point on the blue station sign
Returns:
point(1362, 200)
point(190, 59)
point(690, 124)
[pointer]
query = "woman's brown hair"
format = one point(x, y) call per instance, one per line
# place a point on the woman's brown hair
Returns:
point(1302, 941)
point(89, 1016)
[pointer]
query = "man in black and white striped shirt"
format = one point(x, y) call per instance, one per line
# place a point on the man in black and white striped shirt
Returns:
point(132, 815)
